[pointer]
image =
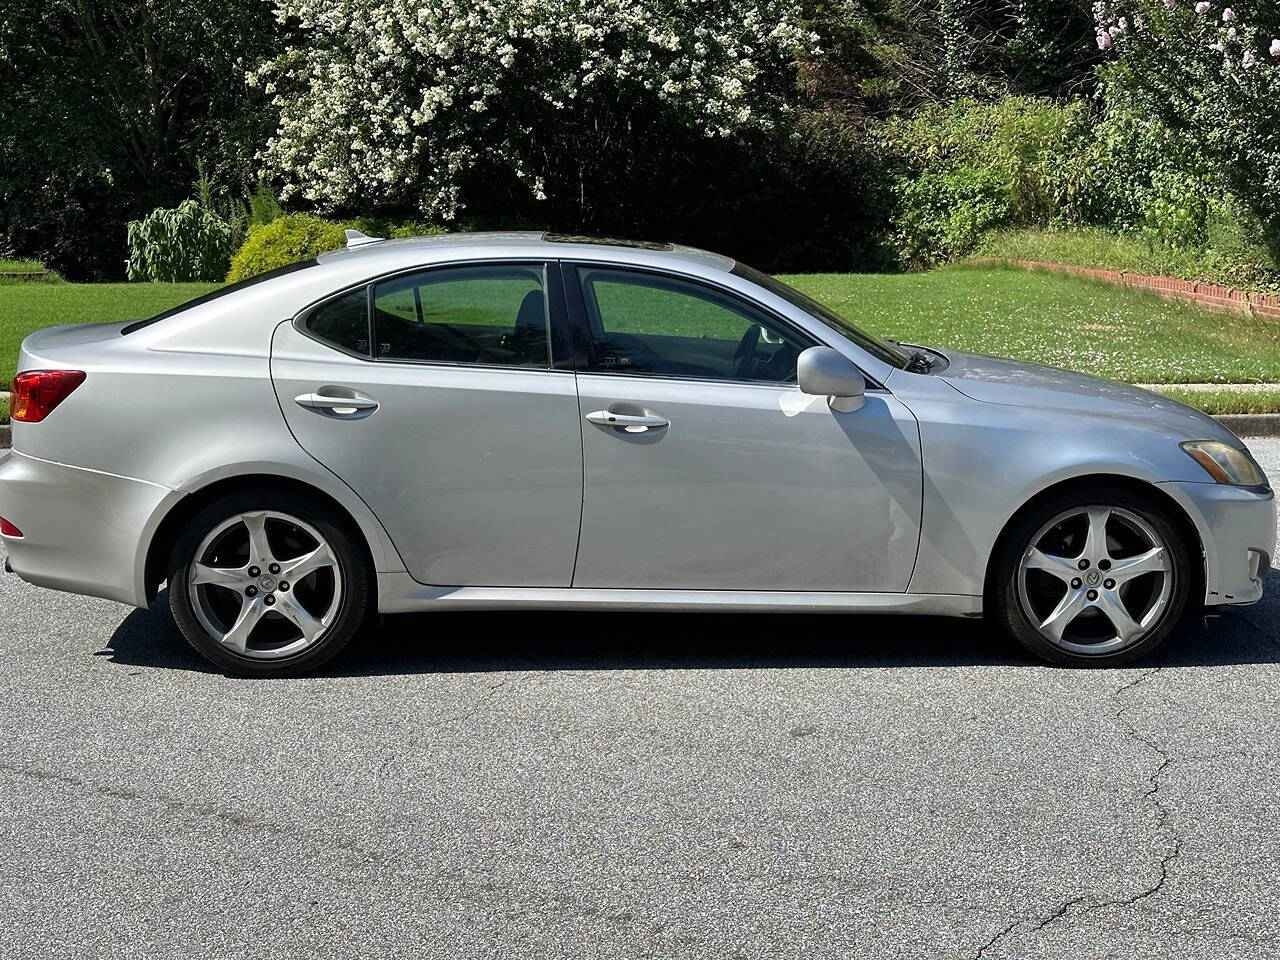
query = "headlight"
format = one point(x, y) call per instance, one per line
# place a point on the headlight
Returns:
point(1224, 462)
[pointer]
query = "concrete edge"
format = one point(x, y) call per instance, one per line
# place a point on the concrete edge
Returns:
point(1241, 424)
point(1251, 424)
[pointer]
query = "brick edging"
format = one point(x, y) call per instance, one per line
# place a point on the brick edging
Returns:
point(1208, 295)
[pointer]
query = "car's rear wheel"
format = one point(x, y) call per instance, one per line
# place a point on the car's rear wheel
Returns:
point(267, 584)
point(1094, 576)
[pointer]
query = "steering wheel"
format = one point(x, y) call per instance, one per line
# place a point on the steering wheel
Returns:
point(744, 357)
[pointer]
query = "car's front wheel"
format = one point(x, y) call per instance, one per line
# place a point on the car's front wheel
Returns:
point(263, 583)
point(1092, 577)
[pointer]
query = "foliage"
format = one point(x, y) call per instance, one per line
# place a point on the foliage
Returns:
point(183, 245)
point(292, 237)
point(943, 215)
point(970, 166)
point(386, 103)
point(1208, 72)
point(104, 109)
point(285, 240)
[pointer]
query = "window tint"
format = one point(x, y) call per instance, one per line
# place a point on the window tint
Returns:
point(486, 314)
point(343, 322)
point(643, 323)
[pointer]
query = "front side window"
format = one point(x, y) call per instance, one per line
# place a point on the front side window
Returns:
point(494, 315)
point(664, 326)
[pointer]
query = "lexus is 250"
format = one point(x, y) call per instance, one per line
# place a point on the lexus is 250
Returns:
point(526, 420)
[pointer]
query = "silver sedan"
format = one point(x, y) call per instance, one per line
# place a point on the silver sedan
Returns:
point(525, 420)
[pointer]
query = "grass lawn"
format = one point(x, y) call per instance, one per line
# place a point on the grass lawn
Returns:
point(1059, 320)
point(28, 307)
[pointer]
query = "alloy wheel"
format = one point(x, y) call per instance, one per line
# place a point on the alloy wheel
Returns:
point(1095, 580)
point(265, 585)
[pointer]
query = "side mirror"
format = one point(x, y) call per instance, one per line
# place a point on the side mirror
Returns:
point(826, 372)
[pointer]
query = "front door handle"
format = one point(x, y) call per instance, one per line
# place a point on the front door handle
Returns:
point(352, 406)
point(631, 422)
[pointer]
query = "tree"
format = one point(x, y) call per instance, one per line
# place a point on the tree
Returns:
point(387, 103)
point(1210, 72)
point(107, 106)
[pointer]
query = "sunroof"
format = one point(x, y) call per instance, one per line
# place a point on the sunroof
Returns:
point(605, 241)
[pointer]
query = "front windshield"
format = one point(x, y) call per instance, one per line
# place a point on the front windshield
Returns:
point(878, 348)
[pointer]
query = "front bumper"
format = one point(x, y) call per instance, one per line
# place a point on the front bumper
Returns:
point(83, 531)
point(1237, 526)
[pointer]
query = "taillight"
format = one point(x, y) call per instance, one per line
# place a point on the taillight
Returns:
point(7, 529)
point(37, 392)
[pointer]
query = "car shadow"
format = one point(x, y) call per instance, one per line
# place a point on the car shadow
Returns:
point(485, 641)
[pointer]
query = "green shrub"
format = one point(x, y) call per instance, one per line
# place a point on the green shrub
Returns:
point(299, 236)
point(942, 216)
point(285, 240)
point(1038, 150)
point(182, 245)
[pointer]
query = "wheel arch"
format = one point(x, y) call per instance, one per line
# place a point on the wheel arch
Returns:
point(1183, 521)
point(181, 512)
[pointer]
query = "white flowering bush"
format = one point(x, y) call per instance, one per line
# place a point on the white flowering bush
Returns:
point(1209, 71)
point(398, 102)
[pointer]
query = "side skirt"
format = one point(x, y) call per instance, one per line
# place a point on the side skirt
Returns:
point(398, 593)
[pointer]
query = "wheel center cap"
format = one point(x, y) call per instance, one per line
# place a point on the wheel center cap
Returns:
point(266, 584)
point(1093, 578)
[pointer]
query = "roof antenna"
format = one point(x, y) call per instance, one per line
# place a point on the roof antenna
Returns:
point(357, 239)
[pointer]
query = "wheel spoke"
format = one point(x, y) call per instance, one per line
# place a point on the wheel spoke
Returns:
point(233, 578)
point(299, 567)
point(1068, 608)
point(288, 607)
point(1113, 607)
point(259, 547)
point(238, 636)
point(1153, 561)
point(1064, 568)
point(1095, 543)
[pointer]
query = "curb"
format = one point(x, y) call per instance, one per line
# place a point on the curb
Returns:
point(1251, 424)
point(5, 436)
point(1211, 296)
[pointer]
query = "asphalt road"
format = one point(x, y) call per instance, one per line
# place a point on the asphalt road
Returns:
point(503, 785)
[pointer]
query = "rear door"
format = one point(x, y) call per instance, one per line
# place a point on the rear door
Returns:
point(445, 398)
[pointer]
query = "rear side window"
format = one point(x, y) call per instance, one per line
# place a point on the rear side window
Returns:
point(344, 322)
point(496, 315)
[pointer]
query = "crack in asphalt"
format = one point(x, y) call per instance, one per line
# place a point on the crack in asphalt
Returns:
point(1084, 904)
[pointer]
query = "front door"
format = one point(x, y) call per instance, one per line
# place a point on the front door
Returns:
point(445, 398)
point(706, 468)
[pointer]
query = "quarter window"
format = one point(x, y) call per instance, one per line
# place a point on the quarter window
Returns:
point(649, 324)
point(494, 315)
point(343, 322)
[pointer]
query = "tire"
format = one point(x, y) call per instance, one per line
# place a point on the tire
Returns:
point(230, 594)
point(1145, 568)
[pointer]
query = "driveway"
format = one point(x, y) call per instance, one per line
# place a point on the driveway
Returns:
point(563, 785)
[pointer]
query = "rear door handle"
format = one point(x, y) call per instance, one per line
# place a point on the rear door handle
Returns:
point(337, 406)
point(630, 421)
